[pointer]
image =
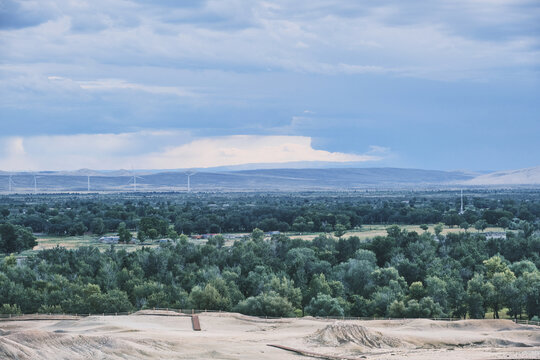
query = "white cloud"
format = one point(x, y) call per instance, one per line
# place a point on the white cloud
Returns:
point(116, 84)
point(317, 36)
point(375, 149)
point(15, 146)
point(119, 84)
point(14, 153)
point(246, 149)
point(161, 150)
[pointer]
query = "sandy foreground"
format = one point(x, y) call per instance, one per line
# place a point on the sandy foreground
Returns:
point(167, 335)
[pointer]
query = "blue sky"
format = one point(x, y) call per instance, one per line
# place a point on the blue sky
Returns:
point(180, 84)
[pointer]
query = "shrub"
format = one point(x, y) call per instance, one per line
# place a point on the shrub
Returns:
point(266, 304)
point(10, 309)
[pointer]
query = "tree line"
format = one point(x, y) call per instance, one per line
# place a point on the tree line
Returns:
point(401, 274)
point(154, 214)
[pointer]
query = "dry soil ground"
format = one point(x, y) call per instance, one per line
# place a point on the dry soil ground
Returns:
point(164, 335)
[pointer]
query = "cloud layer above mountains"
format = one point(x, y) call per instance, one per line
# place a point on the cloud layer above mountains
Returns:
point(160, 150)
point(435, 82)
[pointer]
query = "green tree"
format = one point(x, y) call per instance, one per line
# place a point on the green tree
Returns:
point(494, 265)
point(172, 234)
point(430, 308)
point(514, 299)
point(523, 266)
point(479, 292)
point(152, 234)
point(257, 235)
point(324, 305)
point(416, 290)
point(285, 288)
point(97, 226)
point(8, 238)
point(25, 238)
point(154, 225)
point(123, 233)
point(266, 304)
point(141, 235)
point(208, 298)
point(529, 284)
point(78, 228)
point(480, 225)
point(339, 230)
point(10, 309)
point(438, 228)
point(217, 241)
point(50, 309)
point(397, 309)
point(317, 285)
point(504, 222)
point(502, 283)
point(15, 238)
point(361, 306)
point(437, 289)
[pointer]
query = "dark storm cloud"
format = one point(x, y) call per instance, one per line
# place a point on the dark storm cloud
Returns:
point(20, 14)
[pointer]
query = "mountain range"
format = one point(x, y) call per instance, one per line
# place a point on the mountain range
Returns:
point(285, 179)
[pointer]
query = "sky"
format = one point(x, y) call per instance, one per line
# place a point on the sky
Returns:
point(110, 84)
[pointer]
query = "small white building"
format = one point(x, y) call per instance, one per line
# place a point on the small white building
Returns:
point(109, 239)
point(495, 235)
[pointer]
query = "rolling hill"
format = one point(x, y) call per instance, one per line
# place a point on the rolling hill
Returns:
point(319, 179)
point(528, 176)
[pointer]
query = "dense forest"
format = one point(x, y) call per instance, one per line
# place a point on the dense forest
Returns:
point(402, 274)
point(230, 213)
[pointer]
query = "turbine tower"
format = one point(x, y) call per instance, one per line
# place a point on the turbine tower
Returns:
point(10, 183)
point(134, 180)
point(35, 184)
point(189, 175)
point(88, 183)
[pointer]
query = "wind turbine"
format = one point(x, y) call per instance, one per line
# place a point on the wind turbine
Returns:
point(35, 184)
point(10, 183)
point(189, 175)
point(134, 180)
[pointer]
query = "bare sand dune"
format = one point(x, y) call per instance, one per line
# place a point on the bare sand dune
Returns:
point(169, 335)
point(341, 333)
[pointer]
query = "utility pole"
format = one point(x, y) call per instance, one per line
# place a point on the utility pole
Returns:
point(461, 210)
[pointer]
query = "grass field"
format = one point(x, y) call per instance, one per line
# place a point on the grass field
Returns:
point(370, 231)
point(74, 242)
